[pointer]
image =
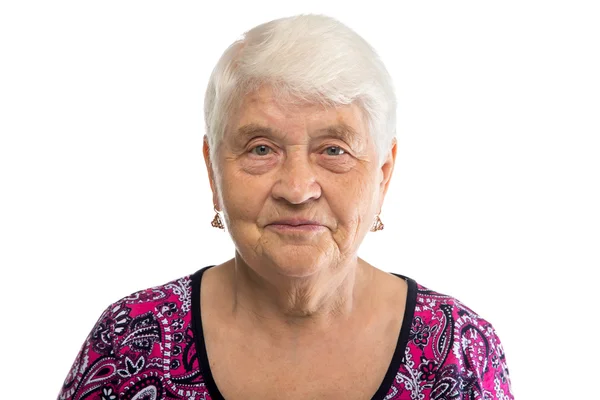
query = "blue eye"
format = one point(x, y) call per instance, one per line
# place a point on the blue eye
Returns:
point(261, 150)
point(335, 151)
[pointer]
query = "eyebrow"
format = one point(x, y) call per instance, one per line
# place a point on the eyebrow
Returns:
point(251, 130)
point(342, 131)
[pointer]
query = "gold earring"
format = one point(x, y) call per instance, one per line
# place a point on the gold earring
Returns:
point(377, 224)
point(216, 222)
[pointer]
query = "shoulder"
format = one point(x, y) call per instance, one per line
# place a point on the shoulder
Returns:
point(455, 324)
point(432, 305)
point(146, 308)
point(148, 321)
point(453, 350)
point(162, 299)
point(143, 340)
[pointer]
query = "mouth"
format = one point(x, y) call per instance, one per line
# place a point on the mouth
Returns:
point(296, 225)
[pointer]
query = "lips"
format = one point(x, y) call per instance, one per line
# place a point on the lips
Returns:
point(295, 222)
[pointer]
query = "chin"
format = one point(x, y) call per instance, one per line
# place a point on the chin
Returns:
point(298, 265)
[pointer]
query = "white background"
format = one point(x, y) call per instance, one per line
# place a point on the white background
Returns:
point(495, 196)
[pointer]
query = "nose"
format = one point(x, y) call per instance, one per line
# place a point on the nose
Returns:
point(296, 183)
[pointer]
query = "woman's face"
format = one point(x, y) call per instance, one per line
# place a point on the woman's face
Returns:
point(299, 185)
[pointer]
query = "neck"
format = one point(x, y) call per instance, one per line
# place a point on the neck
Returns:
point(302, 304)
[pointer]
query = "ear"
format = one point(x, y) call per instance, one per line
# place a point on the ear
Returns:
point(386, 172)
point(211, 172)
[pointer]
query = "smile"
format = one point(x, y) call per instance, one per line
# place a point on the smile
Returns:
point(304, 228)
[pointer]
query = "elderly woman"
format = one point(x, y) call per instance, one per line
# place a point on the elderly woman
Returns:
point(300, 150)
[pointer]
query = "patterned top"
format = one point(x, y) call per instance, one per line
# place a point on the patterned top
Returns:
point(150, 345)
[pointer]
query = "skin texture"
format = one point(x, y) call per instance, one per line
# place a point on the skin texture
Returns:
point(279, 161)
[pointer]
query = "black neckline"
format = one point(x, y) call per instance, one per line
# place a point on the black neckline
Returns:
point(386, 384)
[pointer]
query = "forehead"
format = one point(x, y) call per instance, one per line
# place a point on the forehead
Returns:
point(262, 109)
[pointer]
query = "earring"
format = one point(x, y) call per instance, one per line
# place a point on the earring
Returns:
point(377, 224)
point(216, 222)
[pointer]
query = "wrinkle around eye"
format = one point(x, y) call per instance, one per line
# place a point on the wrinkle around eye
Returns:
point(338, 164)
point(256, 164)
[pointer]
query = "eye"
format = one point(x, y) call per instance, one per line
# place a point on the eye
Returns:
point(335, 151)
point(261, 150)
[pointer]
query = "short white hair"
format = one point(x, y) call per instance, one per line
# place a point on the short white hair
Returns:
point(311, 58)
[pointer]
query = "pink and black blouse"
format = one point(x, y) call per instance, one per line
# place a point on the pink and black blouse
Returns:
point(150, 346)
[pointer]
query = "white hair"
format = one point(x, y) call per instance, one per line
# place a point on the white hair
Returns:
point(310, 58)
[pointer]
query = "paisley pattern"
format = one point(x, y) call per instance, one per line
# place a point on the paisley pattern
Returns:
point(143, 347)
point(452, 354)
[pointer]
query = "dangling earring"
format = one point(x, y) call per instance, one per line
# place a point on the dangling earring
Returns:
point(216, 222)
point(377, 224)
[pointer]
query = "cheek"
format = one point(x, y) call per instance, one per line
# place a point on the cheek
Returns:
point(351, 199)
point(243, 196)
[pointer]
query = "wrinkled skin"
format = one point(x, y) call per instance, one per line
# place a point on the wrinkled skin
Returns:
point(280, 160)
